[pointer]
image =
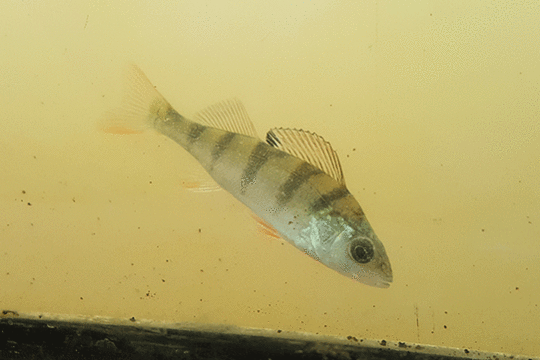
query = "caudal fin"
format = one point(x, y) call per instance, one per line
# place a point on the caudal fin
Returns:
point(141, 105)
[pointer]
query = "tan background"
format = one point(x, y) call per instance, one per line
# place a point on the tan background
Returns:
point(432, 106)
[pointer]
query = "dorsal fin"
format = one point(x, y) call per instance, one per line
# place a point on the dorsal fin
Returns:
point(229, 115)
point(309, 147)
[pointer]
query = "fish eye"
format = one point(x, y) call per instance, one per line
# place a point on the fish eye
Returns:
point(361, 251)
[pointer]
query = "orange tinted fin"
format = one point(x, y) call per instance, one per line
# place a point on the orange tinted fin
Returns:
point(266, 228)
point(191, 184)
point(198, 180)
point(200, 186)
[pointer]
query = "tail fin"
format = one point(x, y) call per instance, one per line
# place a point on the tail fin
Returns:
point(142, 103)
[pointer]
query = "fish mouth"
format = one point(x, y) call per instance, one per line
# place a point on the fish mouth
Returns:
point(382, 284)
point(375, 281)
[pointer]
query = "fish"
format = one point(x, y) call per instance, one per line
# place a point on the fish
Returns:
point(292, 180)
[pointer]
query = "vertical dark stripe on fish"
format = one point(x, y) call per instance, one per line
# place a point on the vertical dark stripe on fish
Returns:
point(222, 145)
point(195, 131)
point(258, 157)
point(327, 199)
point(298, 177)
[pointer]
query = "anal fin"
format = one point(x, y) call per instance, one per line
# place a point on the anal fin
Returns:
point(197, 180)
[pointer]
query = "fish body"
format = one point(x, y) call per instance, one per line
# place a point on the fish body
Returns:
point(293, 180)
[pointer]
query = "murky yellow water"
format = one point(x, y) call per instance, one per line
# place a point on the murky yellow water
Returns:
point(433, 108)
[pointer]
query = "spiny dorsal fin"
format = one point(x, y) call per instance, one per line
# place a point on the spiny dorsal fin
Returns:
point(229, 115)
point(309, 147)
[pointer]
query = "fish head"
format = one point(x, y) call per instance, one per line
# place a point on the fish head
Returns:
point(360, 255)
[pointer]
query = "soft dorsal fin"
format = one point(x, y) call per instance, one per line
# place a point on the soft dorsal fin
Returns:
point(229, 115)
point(309, 147)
